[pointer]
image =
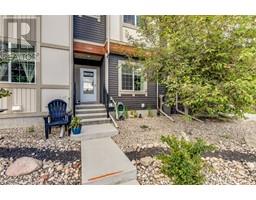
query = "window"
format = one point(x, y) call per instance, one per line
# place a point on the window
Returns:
point(18, 65)
point(131, 79)
point(127, 78)
point(131, 20)
point(93, 16)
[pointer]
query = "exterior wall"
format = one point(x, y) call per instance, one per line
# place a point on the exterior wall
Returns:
point(21, 122)
point(56, 59)
point(24, 95)
point(132, 102)
point(115, 25)
point(119, 31)
point(53, 71)
point(56, 30)
point(90, 29)
point(102, 79)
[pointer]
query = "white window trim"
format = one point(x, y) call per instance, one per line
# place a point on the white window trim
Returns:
point(132, 92)
point(135, 26)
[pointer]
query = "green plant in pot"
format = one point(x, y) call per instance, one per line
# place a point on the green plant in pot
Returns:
point(76, 125)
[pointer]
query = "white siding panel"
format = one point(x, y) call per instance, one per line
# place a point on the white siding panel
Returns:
point(129, 32)
point(1, 26)
point(115, 24)
point(56, 29)
point(51, 94)
point(3, 104)
point(55, 66)
point(24, 97)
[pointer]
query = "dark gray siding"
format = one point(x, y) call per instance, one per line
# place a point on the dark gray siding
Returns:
point(89, 29)
point(102, 79)
point(132, 102)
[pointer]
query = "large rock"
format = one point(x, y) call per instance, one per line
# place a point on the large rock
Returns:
point(251, 165)
point(146, 161)
point(22, 166)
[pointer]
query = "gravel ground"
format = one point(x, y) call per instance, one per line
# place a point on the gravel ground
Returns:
point(60, 156)
point(233, 163)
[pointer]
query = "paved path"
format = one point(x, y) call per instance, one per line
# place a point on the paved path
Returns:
point(102, 160)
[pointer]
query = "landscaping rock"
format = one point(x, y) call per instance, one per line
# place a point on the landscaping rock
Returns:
point(59, 168)
point(184, 136)
point(232, 163)
point(251, 165)
point(22, 166)
point(55, 154)
point(146, 161)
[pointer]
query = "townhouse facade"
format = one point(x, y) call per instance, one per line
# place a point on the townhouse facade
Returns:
point(78, 58)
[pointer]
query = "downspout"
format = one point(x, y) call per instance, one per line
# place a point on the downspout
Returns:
point(107, 65)
point(107, 53)
point(108, 39)
point(72, 68)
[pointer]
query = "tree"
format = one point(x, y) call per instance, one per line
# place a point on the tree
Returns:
point(209, 61)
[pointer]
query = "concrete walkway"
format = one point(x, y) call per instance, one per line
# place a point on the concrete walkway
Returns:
point(102, 160)
point(104, 163)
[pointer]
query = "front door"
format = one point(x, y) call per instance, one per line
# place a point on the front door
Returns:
point(88, 85)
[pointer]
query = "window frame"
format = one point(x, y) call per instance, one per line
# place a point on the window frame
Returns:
point(9, 69)
point(133, 92)
point(135, 25)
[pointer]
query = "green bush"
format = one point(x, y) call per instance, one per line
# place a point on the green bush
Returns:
point(183, 164)
point(126, 112)
point(133, 114)
point(150, 112)
point(31, 129)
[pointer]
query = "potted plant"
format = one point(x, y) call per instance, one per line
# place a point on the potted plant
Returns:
point(76, 125)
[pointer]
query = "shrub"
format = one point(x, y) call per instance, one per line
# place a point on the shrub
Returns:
point(150, 112)
point(31, 129)
point(133, 114)
point(183, 164)
point(126, 112)
point(144, 126)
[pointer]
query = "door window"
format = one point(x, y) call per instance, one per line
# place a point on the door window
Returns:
point(88, 83)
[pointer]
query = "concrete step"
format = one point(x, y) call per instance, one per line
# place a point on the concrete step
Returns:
point(103, 163)
point(96, 131)
point(87, 111)
point(133, 182)
point(89, 106)
point(92, 121)
point(92, 115)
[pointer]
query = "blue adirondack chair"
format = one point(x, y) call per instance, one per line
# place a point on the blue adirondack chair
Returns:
point(58, 116)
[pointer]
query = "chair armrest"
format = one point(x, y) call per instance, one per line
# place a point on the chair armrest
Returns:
point(68, 116)
point(47, 118)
